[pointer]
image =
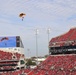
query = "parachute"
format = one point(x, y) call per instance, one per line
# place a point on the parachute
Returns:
point(21, 15)
point(5, 38)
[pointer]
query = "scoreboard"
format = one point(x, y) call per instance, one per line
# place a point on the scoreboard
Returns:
point(10, 41)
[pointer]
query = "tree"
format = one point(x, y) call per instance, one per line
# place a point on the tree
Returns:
point(46, 56)
point(29, 62)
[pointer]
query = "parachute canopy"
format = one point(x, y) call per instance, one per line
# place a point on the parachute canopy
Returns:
point(5, 38)
point(22, 15)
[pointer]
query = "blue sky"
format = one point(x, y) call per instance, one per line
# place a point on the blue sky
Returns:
point(59, 15)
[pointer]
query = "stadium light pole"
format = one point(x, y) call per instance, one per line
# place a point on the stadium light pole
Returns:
point(37, 31)
point(48, 32)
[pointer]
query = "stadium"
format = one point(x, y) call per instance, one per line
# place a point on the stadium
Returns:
point(38, 37)
point(61, 59)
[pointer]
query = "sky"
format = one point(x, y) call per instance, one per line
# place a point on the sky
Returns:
point(58, 15)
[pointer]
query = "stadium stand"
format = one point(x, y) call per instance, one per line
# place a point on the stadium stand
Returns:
point(8, 55)
point(64, 44)
point(56, 65)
